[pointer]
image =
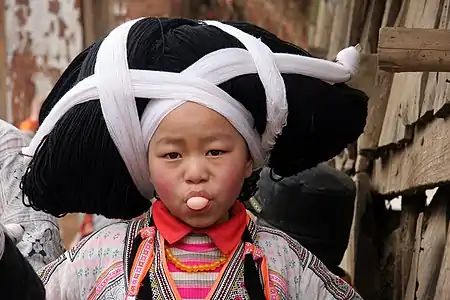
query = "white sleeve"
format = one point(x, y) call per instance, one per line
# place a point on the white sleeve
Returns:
point(41, 243)
point(318, 283)
point(60, 280)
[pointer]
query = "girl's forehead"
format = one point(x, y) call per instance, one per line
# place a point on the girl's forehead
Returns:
point(193, 117)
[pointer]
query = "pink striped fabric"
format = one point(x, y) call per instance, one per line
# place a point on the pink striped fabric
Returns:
point(194, 250)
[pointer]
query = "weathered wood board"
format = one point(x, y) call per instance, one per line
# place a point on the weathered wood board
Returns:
point(408, 89)
point(432, 246)
point(414, 50)
point(411, 222)
point(436, 102)
point(379, 94)
point(319, 44)
point(442, 288)
point(421, 164)
point(339, 29)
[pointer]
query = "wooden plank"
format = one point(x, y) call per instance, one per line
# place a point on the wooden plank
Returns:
point(357, 21)
point(361, 257)
point(410, 290)
point(339, 29)
point(420, 164)
point(411, 237)
point(403, 109)
point(414, 38)
point(433, 246)
point(379, 130)
point(435, 90)
point(88, 17)
point(436, 101)
point(4, 114)
point(414, 50)
point(391, 11)
point(390, 278)
point(394, 131)
point(319, 45)
point(373, 22)
point(368, 141)
point(442, 287)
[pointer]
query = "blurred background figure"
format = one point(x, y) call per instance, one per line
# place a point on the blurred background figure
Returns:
point(315, 207)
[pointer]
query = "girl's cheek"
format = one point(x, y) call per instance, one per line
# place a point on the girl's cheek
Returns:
point(231, 180)
point(163, 184)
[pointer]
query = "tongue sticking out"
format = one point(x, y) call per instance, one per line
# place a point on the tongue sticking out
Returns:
point(197, 203)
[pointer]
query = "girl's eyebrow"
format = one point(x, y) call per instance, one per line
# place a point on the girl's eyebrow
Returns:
point(179, 140)
point(217, 136)
point(170, 140)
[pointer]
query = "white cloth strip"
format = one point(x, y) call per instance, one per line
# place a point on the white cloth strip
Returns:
point(115, 90)
point(271, 79)
point(217, 67)
point(119, 86)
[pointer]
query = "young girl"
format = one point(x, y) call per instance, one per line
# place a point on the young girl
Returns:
point(184, 111)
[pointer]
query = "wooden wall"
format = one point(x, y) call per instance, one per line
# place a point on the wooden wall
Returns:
point(400, 255)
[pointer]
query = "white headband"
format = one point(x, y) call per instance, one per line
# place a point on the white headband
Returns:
point(116, 86)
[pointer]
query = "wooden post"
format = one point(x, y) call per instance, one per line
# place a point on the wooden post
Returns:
point(414, 50)
point(411, 228)
point(319, 44)
point(339, 29)
point(369, 141)
point(3, 104)
point(88, 17)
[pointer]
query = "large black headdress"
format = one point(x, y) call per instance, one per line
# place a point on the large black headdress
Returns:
point(89, 154)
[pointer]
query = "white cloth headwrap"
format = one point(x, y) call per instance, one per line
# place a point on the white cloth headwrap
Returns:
point(116, 86)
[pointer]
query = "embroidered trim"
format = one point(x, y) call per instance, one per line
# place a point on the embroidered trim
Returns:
point(105, 279)
point(48, 270)
point(230, 275)
point(279, 284)
point(255, 251)
point(132, 232)
point(301, 252)
point(260, 258)
point(143, 260)
point(337, 287)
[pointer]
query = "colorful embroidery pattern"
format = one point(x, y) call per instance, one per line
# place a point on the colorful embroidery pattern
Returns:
point(334, 284)
point(279, 284)
point(48, 270)
point(143, 260)
point(132, 231)
point(111, 274)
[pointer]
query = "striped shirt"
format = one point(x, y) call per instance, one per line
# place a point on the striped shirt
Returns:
point(194, 250)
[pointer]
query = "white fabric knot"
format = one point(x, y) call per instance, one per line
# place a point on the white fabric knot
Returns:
point(349, 59)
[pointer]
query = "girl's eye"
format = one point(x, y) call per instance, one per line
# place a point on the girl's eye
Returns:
point(172, 155)
point(215, 152)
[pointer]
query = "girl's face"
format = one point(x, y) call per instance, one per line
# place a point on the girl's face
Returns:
point(196, 151)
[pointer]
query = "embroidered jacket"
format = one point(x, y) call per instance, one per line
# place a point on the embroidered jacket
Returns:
point(97, 268)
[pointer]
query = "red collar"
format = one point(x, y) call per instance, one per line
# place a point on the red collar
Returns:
point(225, 235)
